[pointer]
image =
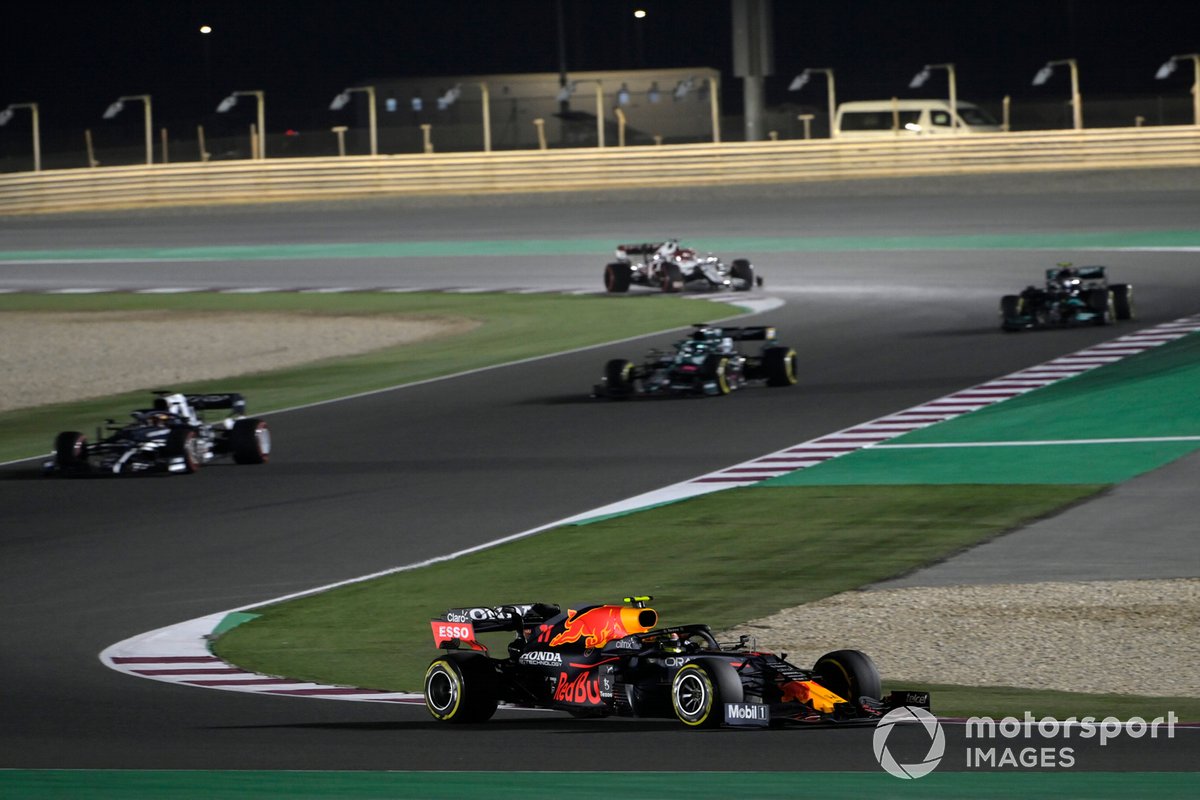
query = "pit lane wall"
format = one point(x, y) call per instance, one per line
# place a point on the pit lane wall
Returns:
point(590, 169)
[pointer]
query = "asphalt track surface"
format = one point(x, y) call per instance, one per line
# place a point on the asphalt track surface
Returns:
point(397, 477)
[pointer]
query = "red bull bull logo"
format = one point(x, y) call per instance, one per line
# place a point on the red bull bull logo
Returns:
point(600, 625)
point(811, 694)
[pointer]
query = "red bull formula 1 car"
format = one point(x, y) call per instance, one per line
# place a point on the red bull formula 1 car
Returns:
point(611, 660)
point(669, 267)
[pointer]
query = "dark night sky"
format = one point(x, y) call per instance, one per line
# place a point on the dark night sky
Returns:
point(73, 58)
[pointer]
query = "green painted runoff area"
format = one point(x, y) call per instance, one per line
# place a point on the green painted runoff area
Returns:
point(318, 785)
point(538, 247)
point(1148, 396)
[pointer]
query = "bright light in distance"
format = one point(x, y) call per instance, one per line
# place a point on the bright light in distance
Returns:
point(639, 14)
point(206, 29)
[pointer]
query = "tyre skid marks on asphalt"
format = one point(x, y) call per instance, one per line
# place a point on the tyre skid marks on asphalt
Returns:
point(165, 654)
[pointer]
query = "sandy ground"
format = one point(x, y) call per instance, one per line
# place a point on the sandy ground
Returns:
point(1119, 637)
point(50, 357)
point(1066, 636)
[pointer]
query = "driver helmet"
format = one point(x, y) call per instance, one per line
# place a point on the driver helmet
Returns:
point(158, 419)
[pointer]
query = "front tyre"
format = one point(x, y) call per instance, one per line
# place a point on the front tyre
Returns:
point(618, 378)
point(250, 441)
point(183, 443)
point(672, 278)
point(461, 687)
point(850, 674)
point(70, 451)
point(1122, 295)
point(780, 365)
point(716, 370)
point(743, 270)
point(700, 690)
point(617, 277)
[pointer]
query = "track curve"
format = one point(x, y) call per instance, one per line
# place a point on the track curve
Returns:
point(400, 476)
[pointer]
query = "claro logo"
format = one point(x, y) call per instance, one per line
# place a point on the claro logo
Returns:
point(907, 715)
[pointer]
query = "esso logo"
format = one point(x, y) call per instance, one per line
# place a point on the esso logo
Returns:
point(445, 631)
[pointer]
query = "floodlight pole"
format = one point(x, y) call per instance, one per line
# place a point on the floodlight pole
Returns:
point(830, 90)
point(37, 138)
point(1076, 100)
point(371, 117)
point(259, 96)
point(1169, 67)
point(145, 98)
point(487, 118)
point(715, 108)
point(953, 92)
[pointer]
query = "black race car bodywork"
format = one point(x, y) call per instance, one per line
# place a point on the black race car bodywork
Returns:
point(606, 660)
point(1072, 296)
point(669, 267)
point(708, 362)
point(171, 436)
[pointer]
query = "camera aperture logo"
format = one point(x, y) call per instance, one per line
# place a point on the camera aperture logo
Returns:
point(937, 742)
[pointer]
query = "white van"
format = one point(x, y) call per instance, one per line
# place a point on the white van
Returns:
point(883, 119)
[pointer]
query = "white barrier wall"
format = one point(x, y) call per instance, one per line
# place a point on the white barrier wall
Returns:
point(561, 170)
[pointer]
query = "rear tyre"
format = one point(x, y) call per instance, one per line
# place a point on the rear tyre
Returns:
point(1122, 294)
point(182, 443)
point(672, 278)
point(716, 369)
point(700, 690)
point(780, 366)
point(70, 451)
point(743, 269)
point(618, 378)
point(850, 674)
point(617, 277)
point(250, 441)
point(461, 687)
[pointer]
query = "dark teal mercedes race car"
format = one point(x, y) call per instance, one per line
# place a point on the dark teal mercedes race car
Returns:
point(710, 361)
point(1072, 296)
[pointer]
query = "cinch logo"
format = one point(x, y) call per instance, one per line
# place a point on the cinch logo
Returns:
point(937, 742)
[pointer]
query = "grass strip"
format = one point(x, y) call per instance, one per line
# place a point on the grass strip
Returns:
point(513, 327)
point(721, 558)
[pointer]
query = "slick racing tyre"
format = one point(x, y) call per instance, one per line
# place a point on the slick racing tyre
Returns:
point(716, 369)
point(1122, 294)
point(250, 441)
point(70, 452)
point(780, 365)
point(1100, 302)
point(618, 378)
point(461, 687)
point(1010, 307)
point(850, 674)
point(672, 278)
point(182, 443)
point(701, 689)
point(617, 277)
point(741, 269)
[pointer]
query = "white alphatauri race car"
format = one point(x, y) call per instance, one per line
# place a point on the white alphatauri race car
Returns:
point(171, 436)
